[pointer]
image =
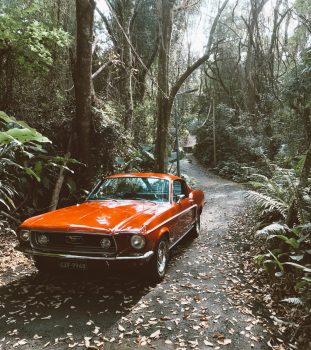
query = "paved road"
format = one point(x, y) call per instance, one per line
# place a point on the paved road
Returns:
point(192, 308)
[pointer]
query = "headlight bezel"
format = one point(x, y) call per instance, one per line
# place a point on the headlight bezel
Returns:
point(139, 239)
point(24, 235)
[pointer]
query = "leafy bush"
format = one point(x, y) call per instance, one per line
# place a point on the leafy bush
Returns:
point(275, 195)
point(29, 42)
point(289, 254)
point(27, 171)
point(238, 172)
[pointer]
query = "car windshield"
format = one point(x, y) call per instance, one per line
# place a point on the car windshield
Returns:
point(132, 188)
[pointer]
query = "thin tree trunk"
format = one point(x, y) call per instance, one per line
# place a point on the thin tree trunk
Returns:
point(214, 134)
point(83, 75)
point(164, 104)
point(292, 216)
point(165, 98)
point(253, 55)
point(140, 86)
point(60, 179)
point(128, 13)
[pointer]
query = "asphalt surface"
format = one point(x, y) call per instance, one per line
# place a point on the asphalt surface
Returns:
point(192, 308)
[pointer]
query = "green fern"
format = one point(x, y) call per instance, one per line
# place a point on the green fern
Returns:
point(268, 204)
point(7, 194)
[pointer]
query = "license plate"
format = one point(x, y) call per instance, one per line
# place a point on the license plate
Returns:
point(73, 265)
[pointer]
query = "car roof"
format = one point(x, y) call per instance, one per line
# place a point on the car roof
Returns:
point(158, 175)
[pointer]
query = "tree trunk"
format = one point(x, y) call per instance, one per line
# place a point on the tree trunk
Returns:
point(128, 12)
point(165, 98)
point(254, 55)
point(292, 216)
point(60, 180)
point(83, 75)
point(140, 87)
point(164, 104)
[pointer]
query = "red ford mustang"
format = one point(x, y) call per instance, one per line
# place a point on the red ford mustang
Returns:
point(134, 218)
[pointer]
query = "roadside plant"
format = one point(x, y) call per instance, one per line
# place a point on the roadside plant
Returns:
point(27, 170)
point(275, 195)
point(288, 256)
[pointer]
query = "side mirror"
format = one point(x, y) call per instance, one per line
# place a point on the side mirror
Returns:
point(180, 197)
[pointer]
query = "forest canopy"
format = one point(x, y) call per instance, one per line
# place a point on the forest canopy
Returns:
point(103, 80)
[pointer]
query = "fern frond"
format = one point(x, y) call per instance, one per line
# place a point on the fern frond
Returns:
point(260, 177)
point(268, 204)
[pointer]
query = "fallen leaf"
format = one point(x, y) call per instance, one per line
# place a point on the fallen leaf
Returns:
point(224, 341)
point(20, 342)
point(156, 334)
point(46, 317)
point(121, 328)
point(87, 341)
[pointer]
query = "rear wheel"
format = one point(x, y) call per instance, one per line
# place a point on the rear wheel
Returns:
point(159, 261)
point(195, 232)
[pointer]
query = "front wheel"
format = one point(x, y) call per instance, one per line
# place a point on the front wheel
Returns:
point(159, 261)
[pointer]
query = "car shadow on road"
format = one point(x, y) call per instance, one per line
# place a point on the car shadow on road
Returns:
point(72, 304)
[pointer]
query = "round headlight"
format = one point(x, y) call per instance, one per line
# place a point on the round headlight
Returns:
point(24, 235)
point(43, 239)
point(138, 242)
point(105, 243)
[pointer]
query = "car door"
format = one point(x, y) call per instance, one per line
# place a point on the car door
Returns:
point(184, 208)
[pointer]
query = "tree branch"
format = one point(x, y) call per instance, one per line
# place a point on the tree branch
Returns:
point(108, 27)
point(202, 59)
point(100, 69)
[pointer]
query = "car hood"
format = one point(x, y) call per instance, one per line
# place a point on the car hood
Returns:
point(101, 216)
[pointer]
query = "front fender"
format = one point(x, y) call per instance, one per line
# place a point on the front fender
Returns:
point(154, 236)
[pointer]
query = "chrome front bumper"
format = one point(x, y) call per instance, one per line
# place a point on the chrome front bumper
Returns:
point(33, 252)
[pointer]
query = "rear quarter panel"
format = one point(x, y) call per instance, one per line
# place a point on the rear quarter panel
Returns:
point(198, 197)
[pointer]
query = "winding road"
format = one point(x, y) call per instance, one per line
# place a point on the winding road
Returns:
point(194, 307)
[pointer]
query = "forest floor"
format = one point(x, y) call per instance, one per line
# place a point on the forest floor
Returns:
point(208, 300)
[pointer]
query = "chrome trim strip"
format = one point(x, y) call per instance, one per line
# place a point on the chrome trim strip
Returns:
point(172, 218)
point(145, 256)
point(56, 250)
point(71, 232)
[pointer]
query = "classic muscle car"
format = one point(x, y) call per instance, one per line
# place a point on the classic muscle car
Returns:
point(132, 218)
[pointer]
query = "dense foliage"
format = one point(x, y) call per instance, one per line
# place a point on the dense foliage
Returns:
point(253, 126)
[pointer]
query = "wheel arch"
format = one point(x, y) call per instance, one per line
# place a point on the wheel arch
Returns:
point(164, 232)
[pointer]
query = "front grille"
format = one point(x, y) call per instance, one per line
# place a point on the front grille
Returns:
point(73, 242)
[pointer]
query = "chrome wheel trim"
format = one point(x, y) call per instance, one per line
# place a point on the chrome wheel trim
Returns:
point(161, 257)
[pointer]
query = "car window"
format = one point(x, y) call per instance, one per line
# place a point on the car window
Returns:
point(133, 188)
point(179, 187)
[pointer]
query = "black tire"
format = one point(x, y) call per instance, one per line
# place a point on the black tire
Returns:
point(44, 265)
point(195, 232)
point(159, 262)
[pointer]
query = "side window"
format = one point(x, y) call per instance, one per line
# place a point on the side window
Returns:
point(179, 187)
